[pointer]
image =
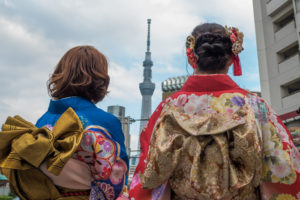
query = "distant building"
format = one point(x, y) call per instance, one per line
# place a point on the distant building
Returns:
point(277, 24)
point(119, 111)
point(134, 158)
point(172, 85)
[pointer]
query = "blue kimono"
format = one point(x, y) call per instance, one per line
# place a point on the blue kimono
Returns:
point(102, 146)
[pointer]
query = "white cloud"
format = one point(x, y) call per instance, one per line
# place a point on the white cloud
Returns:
point(124, 81)
point(19, 46)
point(238, 13)
point(7, 3)
point(23, 92)
point(165, 68)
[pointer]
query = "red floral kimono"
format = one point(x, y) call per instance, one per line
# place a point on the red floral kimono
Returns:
point(214, 140)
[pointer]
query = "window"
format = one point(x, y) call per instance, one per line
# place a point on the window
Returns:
point(294, 87)
point(288, 52)
point(284, 20)
point(291, 88)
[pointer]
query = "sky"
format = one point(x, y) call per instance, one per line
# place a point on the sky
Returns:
point(35, 34)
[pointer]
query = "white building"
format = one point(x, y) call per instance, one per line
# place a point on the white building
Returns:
point(277, 24)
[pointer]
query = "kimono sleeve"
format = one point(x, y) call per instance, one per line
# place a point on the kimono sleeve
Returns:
point(109, 170)
point(137, 192)
point(281, 159)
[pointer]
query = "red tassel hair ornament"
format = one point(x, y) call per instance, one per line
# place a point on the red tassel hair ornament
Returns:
point(236, 38)
point(190, 44)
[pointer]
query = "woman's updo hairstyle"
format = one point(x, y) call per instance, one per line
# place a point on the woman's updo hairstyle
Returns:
point(213, 47)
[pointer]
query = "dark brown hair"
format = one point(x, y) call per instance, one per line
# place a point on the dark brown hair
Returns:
point(213, 47)
point(82, 71)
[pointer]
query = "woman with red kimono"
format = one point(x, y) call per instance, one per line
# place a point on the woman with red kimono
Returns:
point(213, 139)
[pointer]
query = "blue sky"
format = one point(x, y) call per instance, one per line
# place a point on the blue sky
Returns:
point(35, 34)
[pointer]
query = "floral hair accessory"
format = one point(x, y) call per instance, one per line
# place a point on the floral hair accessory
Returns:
point(192, 57)
point(236, 38)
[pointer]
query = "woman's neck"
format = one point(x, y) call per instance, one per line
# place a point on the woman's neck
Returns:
point(199, 72)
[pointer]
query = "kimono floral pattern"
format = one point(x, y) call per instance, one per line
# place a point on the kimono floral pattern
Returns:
point(208, 104)
point(101, 153)
point(227, 103)
point(268, 144)
point(281, 158)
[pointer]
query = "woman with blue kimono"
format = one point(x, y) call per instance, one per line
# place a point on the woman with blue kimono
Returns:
point(75, 150)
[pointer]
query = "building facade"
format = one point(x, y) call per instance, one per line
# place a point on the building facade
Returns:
point(119, 111)
point(277, 24)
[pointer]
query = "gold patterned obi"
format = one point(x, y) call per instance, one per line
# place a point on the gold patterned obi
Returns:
point(206, 156)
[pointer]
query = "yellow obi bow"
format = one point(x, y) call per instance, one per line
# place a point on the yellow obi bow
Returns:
point(24, 147)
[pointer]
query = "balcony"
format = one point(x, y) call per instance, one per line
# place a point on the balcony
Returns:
point(291, 100)
point(290, 91)
point(288, 29)
point(285, 44)
point(275, 5)
point(289, 64)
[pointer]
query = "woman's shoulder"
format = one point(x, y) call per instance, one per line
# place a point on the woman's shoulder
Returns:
point(99, 115)
point(47, 119)
point(89, 116)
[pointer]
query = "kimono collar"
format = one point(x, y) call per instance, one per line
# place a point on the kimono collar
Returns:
point(61, 105)
point(209, 83)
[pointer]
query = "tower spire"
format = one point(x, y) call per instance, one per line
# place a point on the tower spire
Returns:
point(148, 36)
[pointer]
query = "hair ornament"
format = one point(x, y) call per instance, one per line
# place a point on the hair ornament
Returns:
point(192, 57)
point(236, 38)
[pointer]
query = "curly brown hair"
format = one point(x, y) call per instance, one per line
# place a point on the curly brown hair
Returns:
point(83, 72)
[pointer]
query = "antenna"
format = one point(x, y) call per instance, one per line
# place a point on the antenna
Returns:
point(148, 37)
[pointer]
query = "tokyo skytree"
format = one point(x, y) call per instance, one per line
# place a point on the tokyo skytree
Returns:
point(147, 87)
